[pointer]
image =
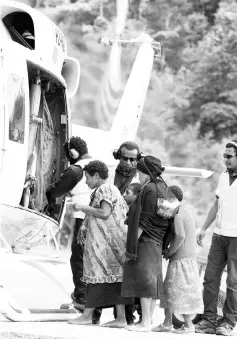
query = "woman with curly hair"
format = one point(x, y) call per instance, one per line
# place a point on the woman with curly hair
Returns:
point(104, 236)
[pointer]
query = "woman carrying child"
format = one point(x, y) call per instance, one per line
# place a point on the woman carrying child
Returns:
point(182, 286)
point(143, 271)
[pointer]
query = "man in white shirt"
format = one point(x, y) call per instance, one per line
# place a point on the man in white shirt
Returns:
point(72, 182)
point(223, 251)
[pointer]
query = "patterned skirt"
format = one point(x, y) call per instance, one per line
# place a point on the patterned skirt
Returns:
point(104, 251)
point(182, 288)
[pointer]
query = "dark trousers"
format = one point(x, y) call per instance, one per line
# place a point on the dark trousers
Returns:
point(223, 252)
point(76, 261)
point(138, 307)
point(129, 310)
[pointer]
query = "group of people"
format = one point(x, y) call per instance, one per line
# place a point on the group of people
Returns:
point(120, 238)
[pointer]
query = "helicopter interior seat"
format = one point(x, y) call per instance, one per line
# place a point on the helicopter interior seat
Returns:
point(21, 28)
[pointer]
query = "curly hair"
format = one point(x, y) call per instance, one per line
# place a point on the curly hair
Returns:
point(177, 192)
point(78, 144)
point(135, 187)
point(97, 166)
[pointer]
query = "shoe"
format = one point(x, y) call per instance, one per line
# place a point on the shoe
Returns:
point(96, 317)
point(205, 326)
point(96, 321)
point(139, 321)
point(130, 322)
point(73, 304)
point(66, 306)
point(225, 327)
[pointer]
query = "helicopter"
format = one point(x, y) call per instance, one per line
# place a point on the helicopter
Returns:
point(37, 78)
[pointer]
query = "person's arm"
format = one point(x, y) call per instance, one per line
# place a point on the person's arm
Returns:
point(81, 235)
point(211, 216)
point(103, 212)
point(139, 232)
point(149, 206)
point(67, 182)
point(179, 235)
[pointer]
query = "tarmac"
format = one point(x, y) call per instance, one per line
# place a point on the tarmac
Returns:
point(63, 330)
point(45, 283)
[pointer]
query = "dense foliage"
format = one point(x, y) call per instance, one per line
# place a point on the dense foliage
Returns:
point(190, 109)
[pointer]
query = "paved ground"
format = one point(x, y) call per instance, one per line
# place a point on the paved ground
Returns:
point(63, 330)
point(40, 283)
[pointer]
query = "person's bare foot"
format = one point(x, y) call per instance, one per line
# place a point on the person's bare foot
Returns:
point(117, 323)
point(139, 328)
point(80, 321)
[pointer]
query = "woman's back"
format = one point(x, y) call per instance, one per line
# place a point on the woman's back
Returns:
point(184, 222)
point(154, 227)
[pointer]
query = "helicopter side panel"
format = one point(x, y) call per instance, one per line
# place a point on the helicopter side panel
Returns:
point(16, 129)
point(2, 116)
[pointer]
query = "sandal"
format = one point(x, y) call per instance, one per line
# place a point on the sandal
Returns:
point(185, 330)
point(162, 328)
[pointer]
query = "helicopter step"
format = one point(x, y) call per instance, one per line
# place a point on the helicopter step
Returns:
point(35, 315)
point(13, 312)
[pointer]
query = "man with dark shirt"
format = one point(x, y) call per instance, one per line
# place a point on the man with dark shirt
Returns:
point(128, 155)
point(72, 182)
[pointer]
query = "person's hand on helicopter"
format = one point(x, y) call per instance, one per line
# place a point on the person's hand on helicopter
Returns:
point(200, 237)
point(48, 210)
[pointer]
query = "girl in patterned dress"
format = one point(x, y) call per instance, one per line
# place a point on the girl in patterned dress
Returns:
point(182, 286)
point(104, 234)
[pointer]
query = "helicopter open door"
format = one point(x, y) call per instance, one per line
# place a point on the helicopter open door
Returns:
point(14, 127)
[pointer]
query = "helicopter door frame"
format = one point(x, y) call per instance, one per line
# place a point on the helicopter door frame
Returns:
point(2, 113)
point(16, 128)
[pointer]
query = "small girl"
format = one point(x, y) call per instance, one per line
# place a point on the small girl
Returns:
point(182, 286)
point(132, 192)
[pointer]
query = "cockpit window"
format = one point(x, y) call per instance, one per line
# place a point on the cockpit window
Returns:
point(16, 108)
point(21, 28)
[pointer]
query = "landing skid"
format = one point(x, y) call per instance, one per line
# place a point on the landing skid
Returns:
point(17, 314)
point(39, 315)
